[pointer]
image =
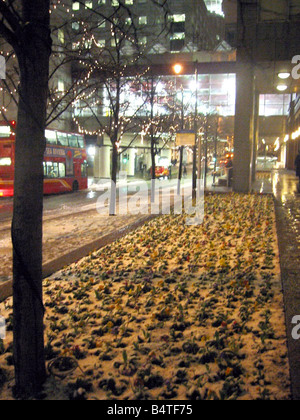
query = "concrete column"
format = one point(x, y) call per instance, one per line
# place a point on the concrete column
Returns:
point(255, 134)
point(243, 126)
point(102, 162)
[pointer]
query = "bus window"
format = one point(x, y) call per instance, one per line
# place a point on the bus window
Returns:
point(5, 131)
point(69, 166)
point(73, 141)
point(51, 137)
point(81, 142)
point(50, 169)
point(84, 170)
point(62, 139)
point(5, 161)
point(62, 170)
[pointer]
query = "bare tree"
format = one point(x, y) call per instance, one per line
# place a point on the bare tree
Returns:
point(25, 25)
point(114, 78)
point(32, 87)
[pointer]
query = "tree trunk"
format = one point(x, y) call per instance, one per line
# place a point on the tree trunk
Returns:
point(153, 169)
point(180, 170)
point(114, 172)
point(33, 57)
point(153, 154)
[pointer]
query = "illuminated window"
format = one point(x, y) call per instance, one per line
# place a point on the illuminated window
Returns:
point(214, 6)
point(143, 20)
point(73, 140)
point(274, 105)
point(177, 18)
point(88, 4)
point(51, 170)
point(81, 142)
point(76, 6)
point(129, 2)
point(177, 36)
point(62, 170)
point(51, 137)
point(61, 36)
point(84, 169)
point(6, 161)
point(5, 131)
point(62, 139)
point(115, 3)
point(61, 86)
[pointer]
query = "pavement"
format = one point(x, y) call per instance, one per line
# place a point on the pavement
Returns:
point(283, 185)
point(287, 204)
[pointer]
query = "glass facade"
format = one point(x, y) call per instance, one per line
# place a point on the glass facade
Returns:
point(215, 6)
point(274, 105)
point(216, 95)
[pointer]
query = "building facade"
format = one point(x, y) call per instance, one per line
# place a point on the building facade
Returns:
point(125, 34)
point(268, 36)
point(292, 138)
point(176, 26)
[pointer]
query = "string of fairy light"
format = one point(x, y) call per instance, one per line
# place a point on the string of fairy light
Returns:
point(162, 120)
point(86, 41)
point(92, 64)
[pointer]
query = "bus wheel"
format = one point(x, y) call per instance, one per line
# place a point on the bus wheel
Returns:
point(75, 186)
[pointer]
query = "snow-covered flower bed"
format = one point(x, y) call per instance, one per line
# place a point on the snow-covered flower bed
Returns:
point(170, 312)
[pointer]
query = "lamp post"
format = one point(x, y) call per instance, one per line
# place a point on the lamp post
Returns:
point(196, 137)
point(178, 69)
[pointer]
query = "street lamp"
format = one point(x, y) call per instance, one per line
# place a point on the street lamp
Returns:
point(178, 68)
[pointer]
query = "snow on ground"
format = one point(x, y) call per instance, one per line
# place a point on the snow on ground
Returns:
point(65, 234)
point(171, 312)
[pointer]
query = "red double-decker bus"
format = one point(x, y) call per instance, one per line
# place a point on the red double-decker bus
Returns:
point(65, 161)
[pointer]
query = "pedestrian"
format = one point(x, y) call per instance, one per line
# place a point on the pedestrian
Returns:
point(185, 171)
point(297, 165)
point(229, 167)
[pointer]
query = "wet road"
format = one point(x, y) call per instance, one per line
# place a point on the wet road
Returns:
point(64, 204)
point(283, 184)
point(54, 205)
